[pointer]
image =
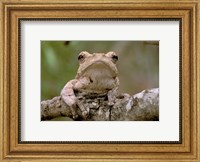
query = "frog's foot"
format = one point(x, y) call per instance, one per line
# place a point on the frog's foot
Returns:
point(73, 111)
point(111, 100)
point(85, 114)
point(75, 116)
point(70, 99)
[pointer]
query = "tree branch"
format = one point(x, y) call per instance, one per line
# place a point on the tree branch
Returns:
point(143, 106)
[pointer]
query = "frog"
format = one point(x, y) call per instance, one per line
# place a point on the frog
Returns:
point(97, 73)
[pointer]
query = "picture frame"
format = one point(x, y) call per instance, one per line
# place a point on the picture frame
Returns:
point(14, 150)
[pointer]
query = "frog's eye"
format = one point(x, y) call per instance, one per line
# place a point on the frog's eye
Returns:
point(83, 55)
point(112, 55)
point(80, 57)
point(115, 58)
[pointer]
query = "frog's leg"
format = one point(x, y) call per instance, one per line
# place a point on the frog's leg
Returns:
point(80, 84)
point(67, 94)
point(113, 93)
point(71, 100)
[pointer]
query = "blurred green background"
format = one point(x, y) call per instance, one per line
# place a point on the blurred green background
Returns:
point(138, 63)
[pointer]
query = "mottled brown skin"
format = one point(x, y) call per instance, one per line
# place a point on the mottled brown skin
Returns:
point(97, 73)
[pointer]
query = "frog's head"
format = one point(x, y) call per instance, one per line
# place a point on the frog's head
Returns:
point(97, 63)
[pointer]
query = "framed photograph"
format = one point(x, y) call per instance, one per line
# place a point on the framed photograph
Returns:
point(101, 77)
point(99, 81)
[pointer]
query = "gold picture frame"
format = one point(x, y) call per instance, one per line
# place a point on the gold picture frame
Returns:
point(13, 150)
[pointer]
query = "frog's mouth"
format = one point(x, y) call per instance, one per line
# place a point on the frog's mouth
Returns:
point(103, 68)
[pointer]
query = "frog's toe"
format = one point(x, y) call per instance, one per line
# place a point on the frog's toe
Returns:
point(85, 114)
point(110, 103)
point(75, 116)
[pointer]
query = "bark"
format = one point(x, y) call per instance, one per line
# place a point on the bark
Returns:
point(143, 106)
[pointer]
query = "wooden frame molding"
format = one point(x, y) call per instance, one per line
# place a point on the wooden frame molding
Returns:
point(13, 150)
